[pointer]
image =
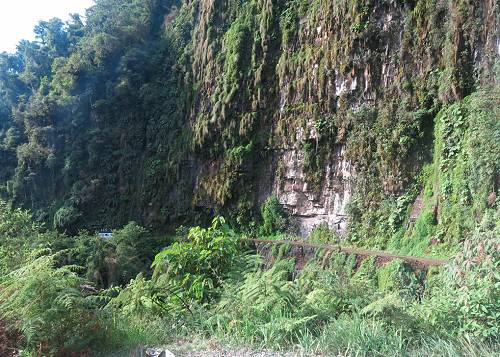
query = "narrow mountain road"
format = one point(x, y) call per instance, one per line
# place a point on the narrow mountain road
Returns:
point(419, 262)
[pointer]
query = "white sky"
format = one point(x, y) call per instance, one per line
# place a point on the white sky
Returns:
point(19, 17)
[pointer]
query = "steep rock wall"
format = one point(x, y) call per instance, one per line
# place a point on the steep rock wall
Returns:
point(336, 97)
point(309, 206)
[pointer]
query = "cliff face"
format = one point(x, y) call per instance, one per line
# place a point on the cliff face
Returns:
point(208, 106)
point(309, 206)
point(330, 93)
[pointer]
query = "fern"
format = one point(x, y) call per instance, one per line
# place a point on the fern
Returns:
point(48, 305)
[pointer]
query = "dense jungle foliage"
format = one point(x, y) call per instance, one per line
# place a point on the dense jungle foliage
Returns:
point(151, 117)
point(169, 112)
point(72, 294)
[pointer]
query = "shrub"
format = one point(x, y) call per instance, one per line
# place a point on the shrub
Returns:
point(18, 234)
point(463, 299)
point(397, 277)
point(392, 312)
point(275, 219)
point(196, 266)
point(322, 234)
point(357, 336)
point(92, 253)
point(260, 307)
point(66, 217)
point(366, 273)
point(135, 249)
point(50, 307)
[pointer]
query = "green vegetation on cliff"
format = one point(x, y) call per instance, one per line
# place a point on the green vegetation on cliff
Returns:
point(166, 112)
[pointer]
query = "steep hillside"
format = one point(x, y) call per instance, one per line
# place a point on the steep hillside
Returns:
point(379, 118)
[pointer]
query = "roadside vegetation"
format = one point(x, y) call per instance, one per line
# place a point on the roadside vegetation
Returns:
point(71, 294)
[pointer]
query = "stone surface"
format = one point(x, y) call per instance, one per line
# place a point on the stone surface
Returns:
point(153, 352)
point(312, 208)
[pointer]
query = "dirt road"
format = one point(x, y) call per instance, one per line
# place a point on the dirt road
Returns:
point(418, 262)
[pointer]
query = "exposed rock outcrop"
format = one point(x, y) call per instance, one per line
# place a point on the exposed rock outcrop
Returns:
point(311, 207)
